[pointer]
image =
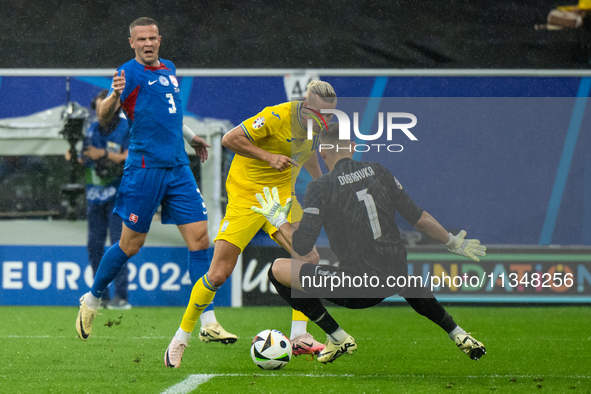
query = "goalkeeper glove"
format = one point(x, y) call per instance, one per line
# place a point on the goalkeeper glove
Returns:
point(465, 247)
point(271, 208)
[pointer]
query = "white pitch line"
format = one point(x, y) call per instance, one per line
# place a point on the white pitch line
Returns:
point(189, 384)
point(389, 376)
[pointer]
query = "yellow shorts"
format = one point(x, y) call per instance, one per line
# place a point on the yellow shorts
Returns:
point(240, 225)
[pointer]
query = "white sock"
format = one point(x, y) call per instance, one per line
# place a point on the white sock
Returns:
point(298, 327)
point(91, 301)
point(207, 317)
point(457, 330)
point(338, 336)
point(182, 335)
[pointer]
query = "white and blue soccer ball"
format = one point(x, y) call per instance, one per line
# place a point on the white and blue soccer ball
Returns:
point(270, 349)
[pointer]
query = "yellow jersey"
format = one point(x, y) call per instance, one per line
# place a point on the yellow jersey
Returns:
point(278, 129)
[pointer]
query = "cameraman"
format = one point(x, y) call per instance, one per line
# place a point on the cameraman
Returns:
point(104, 153)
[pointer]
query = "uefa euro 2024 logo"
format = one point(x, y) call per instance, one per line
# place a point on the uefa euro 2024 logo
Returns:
point(345, 129)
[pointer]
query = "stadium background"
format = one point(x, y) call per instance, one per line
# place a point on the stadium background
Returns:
point(526, 189)
point(469, 34)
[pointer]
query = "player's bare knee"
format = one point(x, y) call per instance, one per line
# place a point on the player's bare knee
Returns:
point(217, 278)
point(131, 247)
point(313, 257)
point(199, 244)
point(281, 270)
point(131, 250)
point(273, 268)
point(218, 275)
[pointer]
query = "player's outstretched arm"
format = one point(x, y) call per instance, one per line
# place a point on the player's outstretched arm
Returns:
point(274, 212)
point(237, 142)
point(470, 248)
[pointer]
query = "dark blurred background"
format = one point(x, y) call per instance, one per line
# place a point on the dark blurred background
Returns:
point(290, 34)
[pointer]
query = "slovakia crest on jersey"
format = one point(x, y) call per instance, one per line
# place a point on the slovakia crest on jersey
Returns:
point(258, 122)
point(163, 81)
point(173, 80)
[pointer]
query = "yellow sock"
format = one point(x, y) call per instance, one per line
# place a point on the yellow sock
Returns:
point(201, 296)
point(297, 315)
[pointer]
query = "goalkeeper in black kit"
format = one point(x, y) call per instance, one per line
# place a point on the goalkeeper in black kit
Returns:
point(356, 202)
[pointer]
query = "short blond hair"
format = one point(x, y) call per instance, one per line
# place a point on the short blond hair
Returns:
point(143, 21)
point(322, 89)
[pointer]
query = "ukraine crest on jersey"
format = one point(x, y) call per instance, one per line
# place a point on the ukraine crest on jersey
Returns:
point(280, 130)
point(151, 100)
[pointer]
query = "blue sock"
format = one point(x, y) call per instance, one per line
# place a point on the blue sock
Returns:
point(110, 265)
point(198, 266)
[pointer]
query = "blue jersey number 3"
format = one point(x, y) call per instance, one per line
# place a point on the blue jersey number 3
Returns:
point(172, 109)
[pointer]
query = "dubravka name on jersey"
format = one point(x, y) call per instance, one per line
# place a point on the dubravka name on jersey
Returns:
point(356, 176)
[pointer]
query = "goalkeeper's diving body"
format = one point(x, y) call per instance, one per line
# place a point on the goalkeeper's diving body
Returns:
point(356, 202)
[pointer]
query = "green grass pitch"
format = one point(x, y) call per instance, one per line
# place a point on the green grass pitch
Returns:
point(530, 349)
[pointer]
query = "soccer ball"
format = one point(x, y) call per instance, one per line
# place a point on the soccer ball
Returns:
point(270, 349)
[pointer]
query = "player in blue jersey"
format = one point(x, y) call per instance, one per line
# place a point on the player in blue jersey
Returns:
point(156, 170)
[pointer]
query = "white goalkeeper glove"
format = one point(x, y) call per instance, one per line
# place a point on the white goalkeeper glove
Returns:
point(465, 247)
point(271, 209)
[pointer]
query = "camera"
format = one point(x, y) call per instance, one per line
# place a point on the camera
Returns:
point(74, 117)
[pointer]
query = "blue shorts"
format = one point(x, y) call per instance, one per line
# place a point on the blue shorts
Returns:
point(143, 189)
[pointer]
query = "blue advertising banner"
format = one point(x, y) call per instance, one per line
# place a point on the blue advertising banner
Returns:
point(59, 275)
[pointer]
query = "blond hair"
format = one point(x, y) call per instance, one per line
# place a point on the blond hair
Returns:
point(322, 89)
point(143, 21)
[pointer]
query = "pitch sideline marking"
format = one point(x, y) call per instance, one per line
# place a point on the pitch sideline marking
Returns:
point(349, 375)
point(189, 384)
point(158, 337)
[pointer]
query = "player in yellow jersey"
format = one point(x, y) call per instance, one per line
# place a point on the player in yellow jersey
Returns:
point(270, 149)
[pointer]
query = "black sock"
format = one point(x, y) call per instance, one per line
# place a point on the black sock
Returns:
point(327, 323)
point(432, 310)
point(311, 307)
